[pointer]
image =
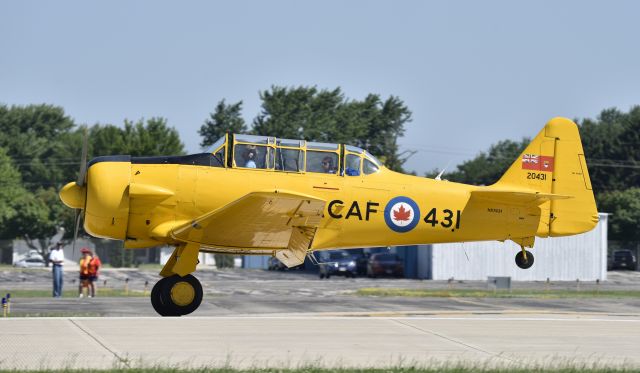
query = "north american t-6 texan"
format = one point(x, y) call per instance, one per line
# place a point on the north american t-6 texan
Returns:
point(260, 195)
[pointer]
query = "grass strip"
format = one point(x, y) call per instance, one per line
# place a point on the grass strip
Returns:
point(516, 293)
point(437, 369)
point(100, 292)
point(54, 314)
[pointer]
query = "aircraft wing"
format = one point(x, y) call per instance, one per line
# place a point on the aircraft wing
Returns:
point(283, 221)
point(516, 196)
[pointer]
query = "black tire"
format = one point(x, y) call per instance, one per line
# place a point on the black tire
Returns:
point(522, 263)
point(321, 276)
point(157, 301)
point(178, 304)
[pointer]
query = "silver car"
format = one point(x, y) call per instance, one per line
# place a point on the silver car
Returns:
point(30, 263)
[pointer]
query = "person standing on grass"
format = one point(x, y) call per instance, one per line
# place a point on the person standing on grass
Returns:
point(84, 272)
point(56, 257)
point(93, 269)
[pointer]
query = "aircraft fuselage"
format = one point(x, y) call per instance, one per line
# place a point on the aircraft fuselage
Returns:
point(381, 209)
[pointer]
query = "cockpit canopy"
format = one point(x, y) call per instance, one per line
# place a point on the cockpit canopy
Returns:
point(286, 155)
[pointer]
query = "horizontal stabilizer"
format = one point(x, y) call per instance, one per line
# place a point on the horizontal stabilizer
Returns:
point(517, 196)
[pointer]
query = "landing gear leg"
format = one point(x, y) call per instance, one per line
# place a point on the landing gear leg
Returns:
point(178, 292)
point(524, 259)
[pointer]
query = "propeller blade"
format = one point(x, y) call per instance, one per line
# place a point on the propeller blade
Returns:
point(75, 232)
point(83, 162)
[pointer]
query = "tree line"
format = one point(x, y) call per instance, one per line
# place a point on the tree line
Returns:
point(40, 147)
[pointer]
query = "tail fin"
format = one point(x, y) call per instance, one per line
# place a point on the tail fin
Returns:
point(554, 163)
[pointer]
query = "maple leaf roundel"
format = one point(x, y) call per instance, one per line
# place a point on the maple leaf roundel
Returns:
point(401, 214)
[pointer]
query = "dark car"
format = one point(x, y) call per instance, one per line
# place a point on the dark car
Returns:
point(275, 264)
point(624, 259)
point(385, 264)
point(338, 262)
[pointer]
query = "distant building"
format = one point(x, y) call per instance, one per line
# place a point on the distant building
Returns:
point(582, 256)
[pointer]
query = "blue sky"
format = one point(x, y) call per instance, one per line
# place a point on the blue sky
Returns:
point(471, 72)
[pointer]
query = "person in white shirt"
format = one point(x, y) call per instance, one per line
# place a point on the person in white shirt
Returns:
point(56, 257)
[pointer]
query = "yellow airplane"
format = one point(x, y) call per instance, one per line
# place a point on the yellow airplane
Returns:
point(256, 195)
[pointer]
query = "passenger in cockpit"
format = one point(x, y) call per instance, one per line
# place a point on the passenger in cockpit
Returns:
point(327, 165)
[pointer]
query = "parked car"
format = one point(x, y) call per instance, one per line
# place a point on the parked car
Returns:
point(385, 264)
point(624, 259)
point(30, 262)
point(275, 264)
point(337, 262)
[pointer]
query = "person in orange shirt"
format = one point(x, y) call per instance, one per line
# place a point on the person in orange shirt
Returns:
point(85, 281)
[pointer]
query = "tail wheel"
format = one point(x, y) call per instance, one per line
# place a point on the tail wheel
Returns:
point(522, 262)
point(176, 296)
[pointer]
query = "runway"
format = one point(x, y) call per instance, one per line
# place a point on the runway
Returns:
point(504, 340)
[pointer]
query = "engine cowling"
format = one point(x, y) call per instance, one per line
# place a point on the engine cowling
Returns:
point(104, 197)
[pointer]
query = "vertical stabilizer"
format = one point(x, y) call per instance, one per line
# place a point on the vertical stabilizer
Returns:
point(554, 163)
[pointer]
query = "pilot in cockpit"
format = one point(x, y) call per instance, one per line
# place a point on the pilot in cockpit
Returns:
point(250, 157)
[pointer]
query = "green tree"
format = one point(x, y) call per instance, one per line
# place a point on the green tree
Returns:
point(612, 147)
point(384, 124)
point(35, 137)
point(24, 214)
point(107, 139)
point(487, 167)
point(224, 260)
point(327, 116)
point(153, 138)
point(11, 190)
point(225, 119)
point(624, 205)
point(299, 113)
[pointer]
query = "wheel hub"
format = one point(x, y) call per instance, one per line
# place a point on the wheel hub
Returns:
point(182, 293)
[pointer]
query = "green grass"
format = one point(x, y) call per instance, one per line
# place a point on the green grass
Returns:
point(10, 268)
point(100, 292)
point(436, 369)
point(54, 314)
point(150, 267)
point(519, 293)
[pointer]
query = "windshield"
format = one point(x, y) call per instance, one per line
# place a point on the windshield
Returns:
point(372, 158)
point(217, 144)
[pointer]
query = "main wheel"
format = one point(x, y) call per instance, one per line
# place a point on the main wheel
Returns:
point(156, 299)
point(522, 262)
point(176, 295)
